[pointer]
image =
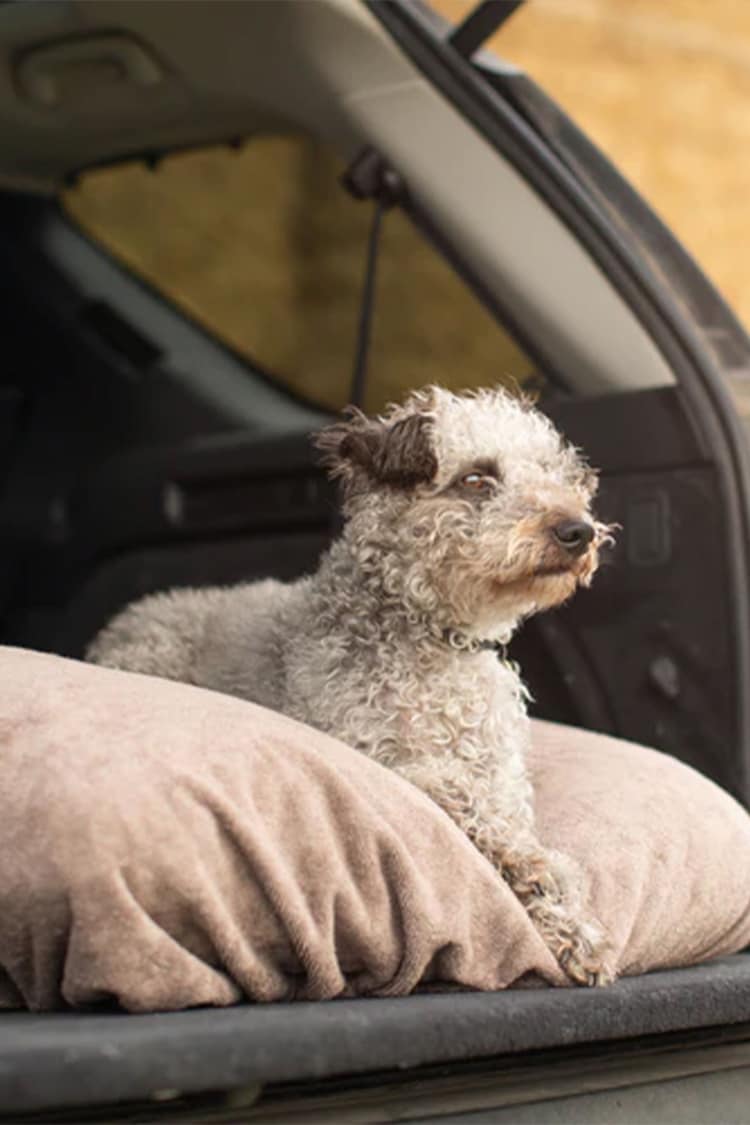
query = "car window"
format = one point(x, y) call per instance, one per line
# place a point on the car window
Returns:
point(265, 249)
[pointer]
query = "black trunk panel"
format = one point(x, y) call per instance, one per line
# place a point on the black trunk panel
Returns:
point(77, 1059)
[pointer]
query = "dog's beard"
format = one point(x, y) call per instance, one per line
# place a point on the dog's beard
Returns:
point(486, 585)
point(491, 606)
point(528, 593)
point(539, 570)
point(493, 599)
point(540, 590)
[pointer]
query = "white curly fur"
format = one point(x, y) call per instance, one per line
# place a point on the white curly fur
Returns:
point(381, 647)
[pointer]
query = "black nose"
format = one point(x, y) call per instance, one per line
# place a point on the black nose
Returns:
point(573, 535)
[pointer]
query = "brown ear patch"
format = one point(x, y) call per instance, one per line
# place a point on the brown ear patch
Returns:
point(399, 455)
point(405, 457)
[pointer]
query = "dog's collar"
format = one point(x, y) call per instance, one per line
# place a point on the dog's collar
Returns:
point(461, 643)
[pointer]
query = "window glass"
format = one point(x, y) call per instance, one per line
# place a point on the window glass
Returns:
point(265, 249)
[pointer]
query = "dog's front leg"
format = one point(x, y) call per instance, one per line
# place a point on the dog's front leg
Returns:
point(547, 883)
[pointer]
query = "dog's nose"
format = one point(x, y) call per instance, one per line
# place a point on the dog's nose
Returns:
point(573, 535)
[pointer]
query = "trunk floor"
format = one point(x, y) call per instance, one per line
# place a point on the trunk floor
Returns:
point(75, 1058)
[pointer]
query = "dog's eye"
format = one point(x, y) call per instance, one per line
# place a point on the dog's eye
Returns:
point(477, 481)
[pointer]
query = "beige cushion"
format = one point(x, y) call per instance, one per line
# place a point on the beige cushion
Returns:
point(164, 847)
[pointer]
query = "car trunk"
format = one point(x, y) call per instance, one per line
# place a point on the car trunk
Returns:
point(189, 493)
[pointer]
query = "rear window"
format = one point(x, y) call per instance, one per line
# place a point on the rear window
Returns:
point(266, 250)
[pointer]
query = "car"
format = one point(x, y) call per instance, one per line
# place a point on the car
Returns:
point(400, 205)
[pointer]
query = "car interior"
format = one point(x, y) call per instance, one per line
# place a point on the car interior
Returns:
point(152, 440)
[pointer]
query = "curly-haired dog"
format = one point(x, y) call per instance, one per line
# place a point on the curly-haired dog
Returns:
point(464, 515)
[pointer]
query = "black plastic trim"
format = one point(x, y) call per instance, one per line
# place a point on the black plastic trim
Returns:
point(75, 1059)
point(482, 22)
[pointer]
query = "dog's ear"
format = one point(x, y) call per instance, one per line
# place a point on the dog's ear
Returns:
point(404, 457)
point(346, 444)
point(398, 454)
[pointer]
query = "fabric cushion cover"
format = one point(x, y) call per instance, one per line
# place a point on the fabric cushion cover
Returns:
point(163, 847)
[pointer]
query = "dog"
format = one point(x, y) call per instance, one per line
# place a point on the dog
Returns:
point(464, 514)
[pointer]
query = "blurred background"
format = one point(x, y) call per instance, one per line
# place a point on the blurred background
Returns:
point(663, 88)
point(261, 246)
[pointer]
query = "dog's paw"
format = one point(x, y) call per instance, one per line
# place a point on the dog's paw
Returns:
point(582, 952)
point(578, 944)
point(585, 968)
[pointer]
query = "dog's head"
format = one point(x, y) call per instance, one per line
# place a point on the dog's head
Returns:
point(472, 507)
